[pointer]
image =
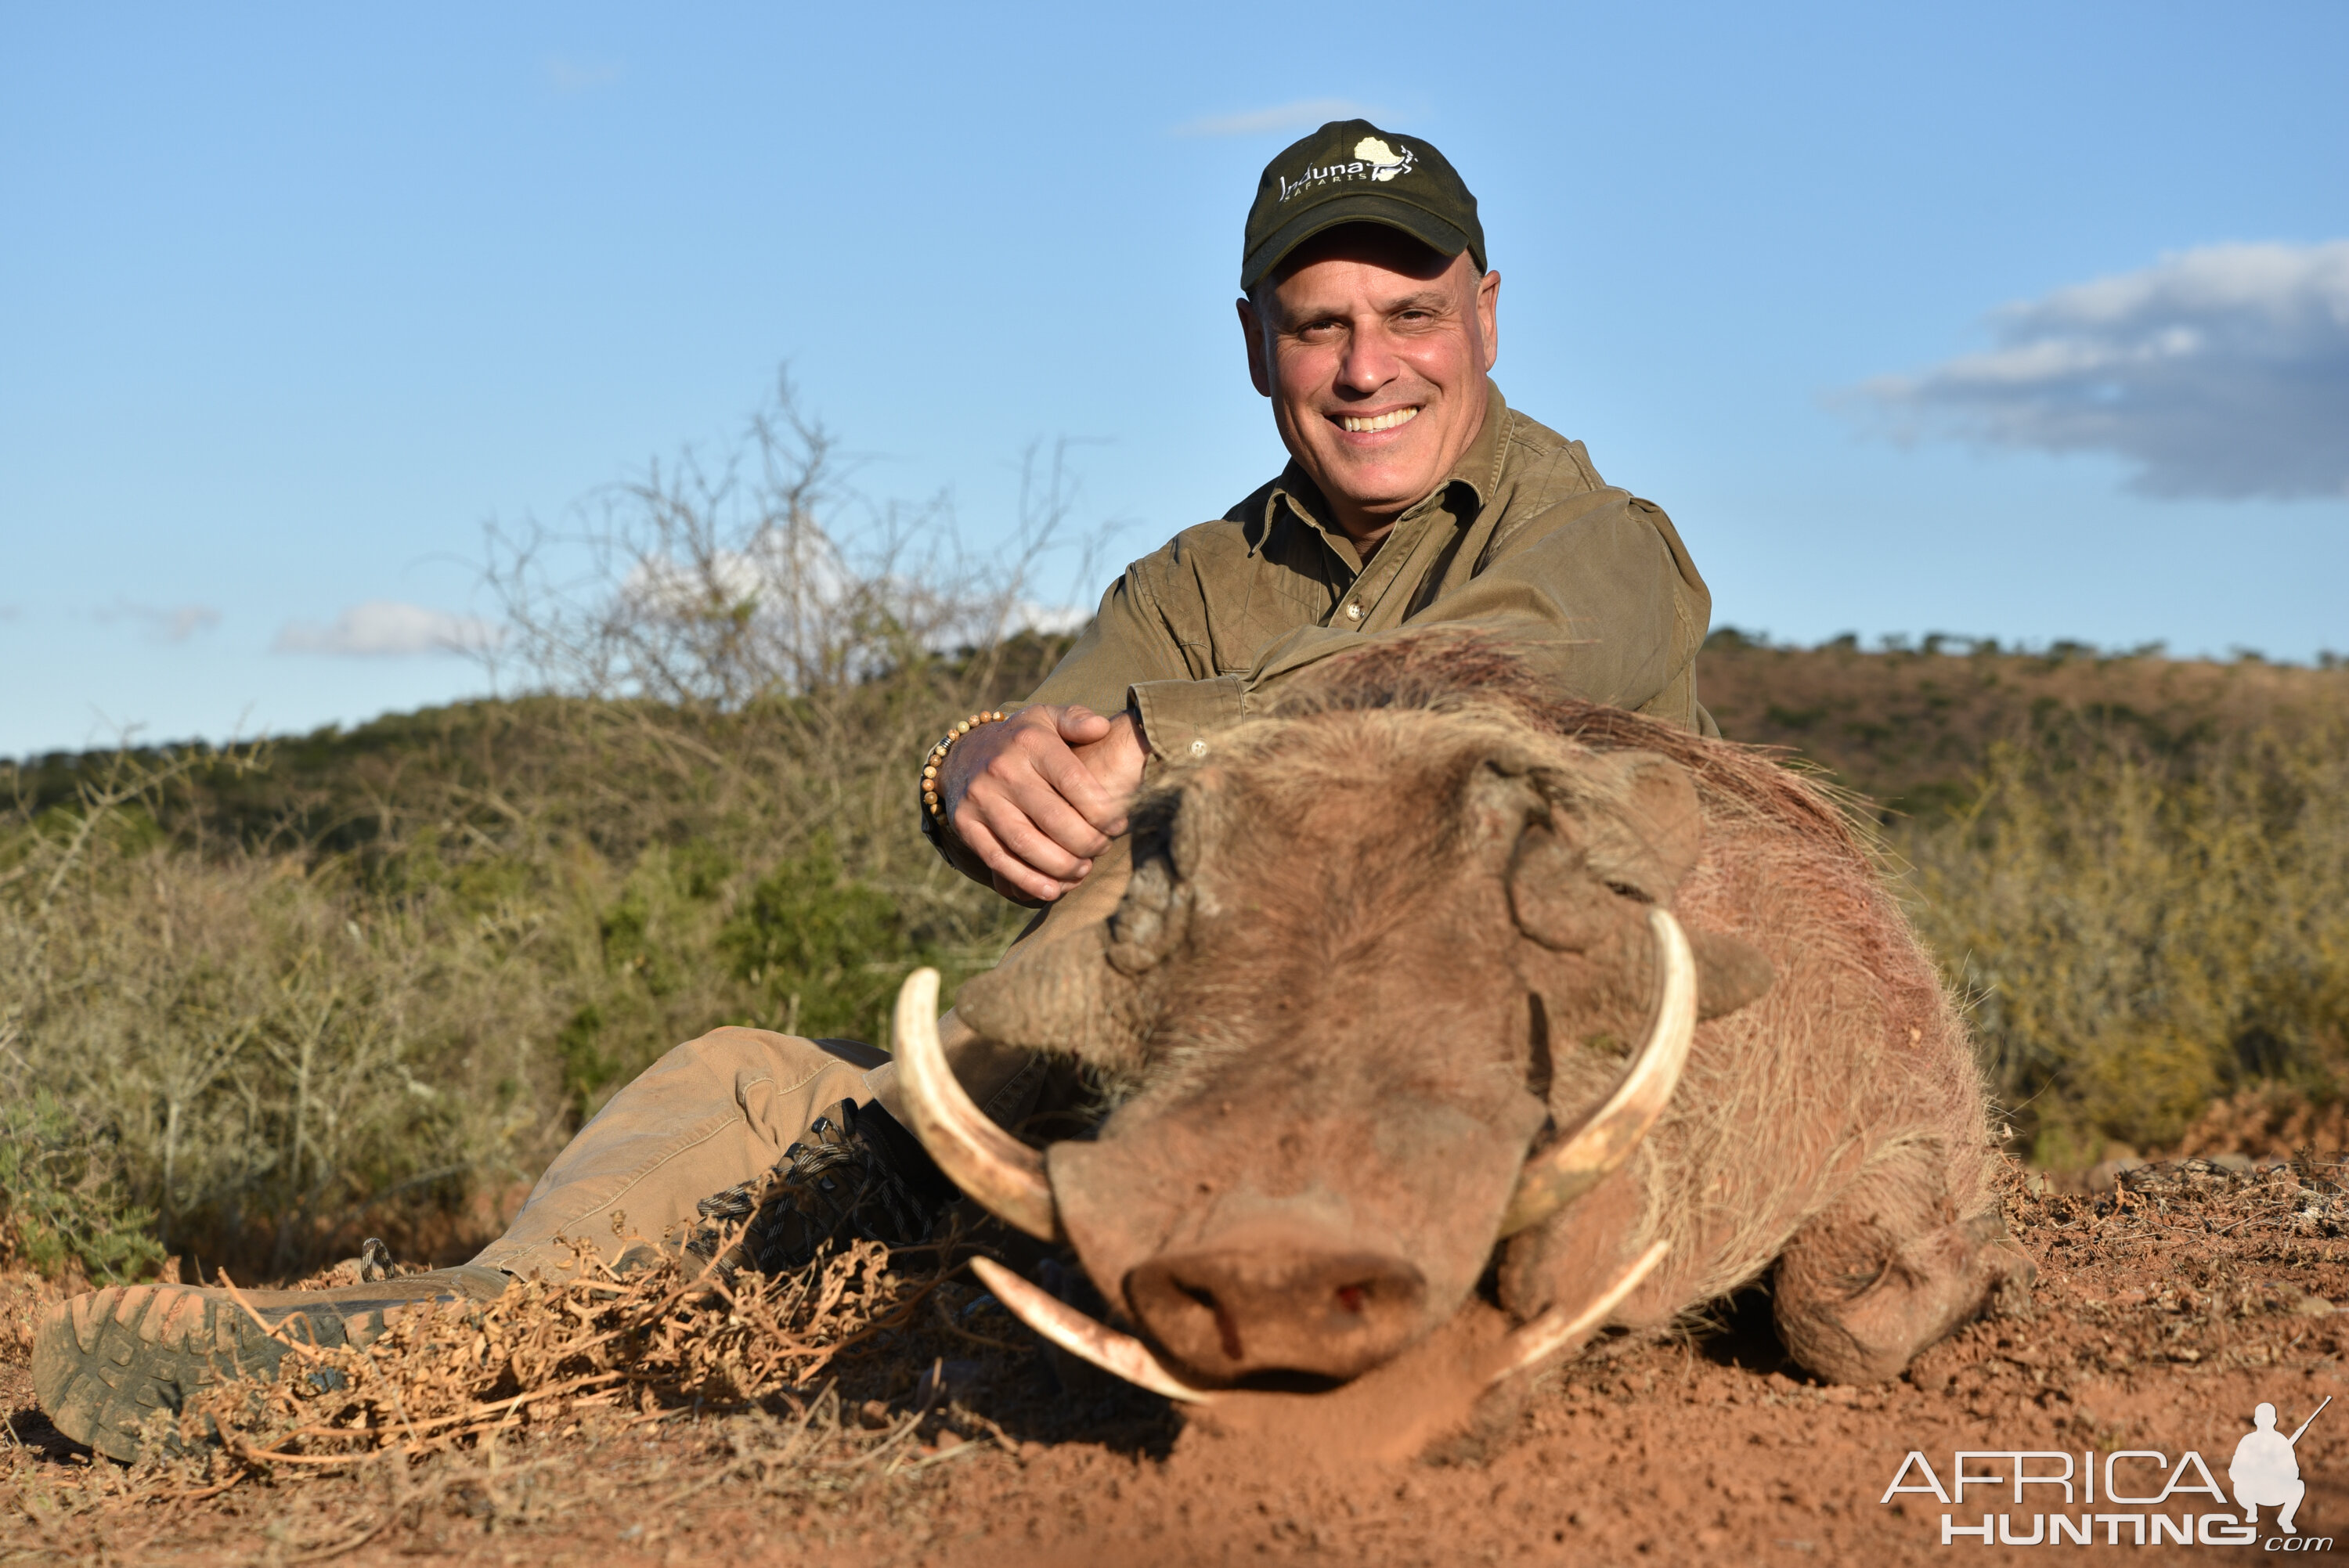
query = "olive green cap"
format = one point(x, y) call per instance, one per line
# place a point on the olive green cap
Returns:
point(1351, 172)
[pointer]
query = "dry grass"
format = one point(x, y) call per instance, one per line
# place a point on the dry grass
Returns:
point(256, 1004)
point(622, 1398)
point(2167, 1305)
point(2142, 932)
point(448, 1376)
point(1910, 728)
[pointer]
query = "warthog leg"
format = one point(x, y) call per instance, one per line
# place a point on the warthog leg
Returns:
point(1884, 1273)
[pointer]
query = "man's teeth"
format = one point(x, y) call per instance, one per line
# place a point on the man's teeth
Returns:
point(1379, 422)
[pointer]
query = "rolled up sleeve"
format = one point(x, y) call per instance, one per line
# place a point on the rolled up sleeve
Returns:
point(1177, 714)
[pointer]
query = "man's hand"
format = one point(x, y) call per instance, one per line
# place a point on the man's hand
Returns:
point(1038, 795)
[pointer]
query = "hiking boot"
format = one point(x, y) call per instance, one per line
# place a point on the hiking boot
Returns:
point(106, 1361)
point(856, 1172)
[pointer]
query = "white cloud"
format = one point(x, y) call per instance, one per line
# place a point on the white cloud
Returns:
point(2222, 371)
point(385, 628)
point(1051, 620)
point(1304, 115)
point(159, 622)
point(788, 582)
point(769, 571)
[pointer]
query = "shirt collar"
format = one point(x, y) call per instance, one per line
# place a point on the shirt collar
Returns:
point(1478, 471)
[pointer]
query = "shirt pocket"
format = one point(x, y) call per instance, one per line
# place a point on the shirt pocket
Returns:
point(1272, 604)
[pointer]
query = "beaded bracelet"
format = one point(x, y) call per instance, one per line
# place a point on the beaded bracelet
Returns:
point(937, 756)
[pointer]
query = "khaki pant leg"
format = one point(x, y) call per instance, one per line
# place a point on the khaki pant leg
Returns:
point(713, 1112)
point(720, 1109)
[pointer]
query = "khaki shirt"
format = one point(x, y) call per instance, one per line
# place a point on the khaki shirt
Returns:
point(1589, 583)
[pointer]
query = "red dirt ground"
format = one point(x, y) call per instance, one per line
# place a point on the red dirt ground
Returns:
point(2165, 1311)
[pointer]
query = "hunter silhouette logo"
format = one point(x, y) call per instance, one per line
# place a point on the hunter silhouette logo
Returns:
point(1375, 160)
point(2265, 1469)
point(2154, 1502)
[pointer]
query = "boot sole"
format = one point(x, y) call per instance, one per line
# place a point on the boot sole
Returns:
point(106, 1363)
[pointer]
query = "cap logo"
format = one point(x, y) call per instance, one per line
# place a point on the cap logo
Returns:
point(1373, 160)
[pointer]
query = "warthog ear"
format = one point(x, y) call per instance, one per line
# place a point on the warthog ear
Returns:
point(1626, 824)
point(1730, 973)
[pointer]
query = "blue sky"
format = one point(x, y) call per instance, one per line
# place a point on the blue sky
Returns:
point(299, 300)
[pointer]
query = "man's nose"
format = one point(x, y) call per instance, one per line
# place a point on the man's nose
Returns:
point(1368, 363)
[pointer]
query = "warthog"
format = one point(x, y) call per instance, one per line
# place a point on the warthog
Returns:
point(1427, 979)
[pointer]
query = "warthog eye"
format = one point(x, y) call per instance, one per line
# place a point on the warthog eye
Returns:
point(1626, 889)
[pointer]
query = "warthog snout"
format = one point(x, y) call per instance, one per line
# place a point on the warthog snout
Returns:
point(1266, 1307)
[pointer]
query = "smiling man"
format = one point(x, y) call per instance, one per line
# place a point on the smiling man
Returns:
point(1414, 495)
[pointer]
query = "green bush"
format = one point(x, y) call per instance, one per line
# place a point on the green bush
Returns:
point(58, 1201)
point(824, 951)
point(2141, 927)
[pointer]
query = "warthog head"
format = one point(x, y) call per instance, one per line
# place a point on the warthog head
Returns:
point(1386, 986)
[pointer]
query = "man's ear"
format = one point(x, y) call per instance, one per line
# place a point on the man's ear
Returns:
point(1488, 317)
point(1252, 329)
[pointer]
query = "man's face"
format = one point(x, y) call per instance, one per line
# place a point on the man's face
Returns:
point(1374, 349)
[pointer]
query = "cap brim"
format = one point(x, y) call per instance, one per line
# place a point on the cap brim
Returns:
point(1358, 207)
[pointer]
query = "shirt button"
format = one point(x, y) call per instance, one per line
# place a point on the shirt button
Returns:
point(1354, 612)
point(1198, 749)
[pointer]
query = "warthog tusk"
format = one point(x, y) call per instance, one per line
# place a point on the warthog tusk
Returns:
point(1553, 1332)
point(1004, 1175)
point(1598, 1149)
point(1079, 1335)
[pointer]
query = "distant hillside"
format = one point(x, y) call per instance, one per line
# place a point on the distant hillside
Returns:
point(1911, 729)
point(257, 1004)
point(1908, 729)
point(336, 790)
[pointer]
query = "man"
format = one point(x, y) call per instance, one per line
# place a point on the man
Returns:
point(1414, 495)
